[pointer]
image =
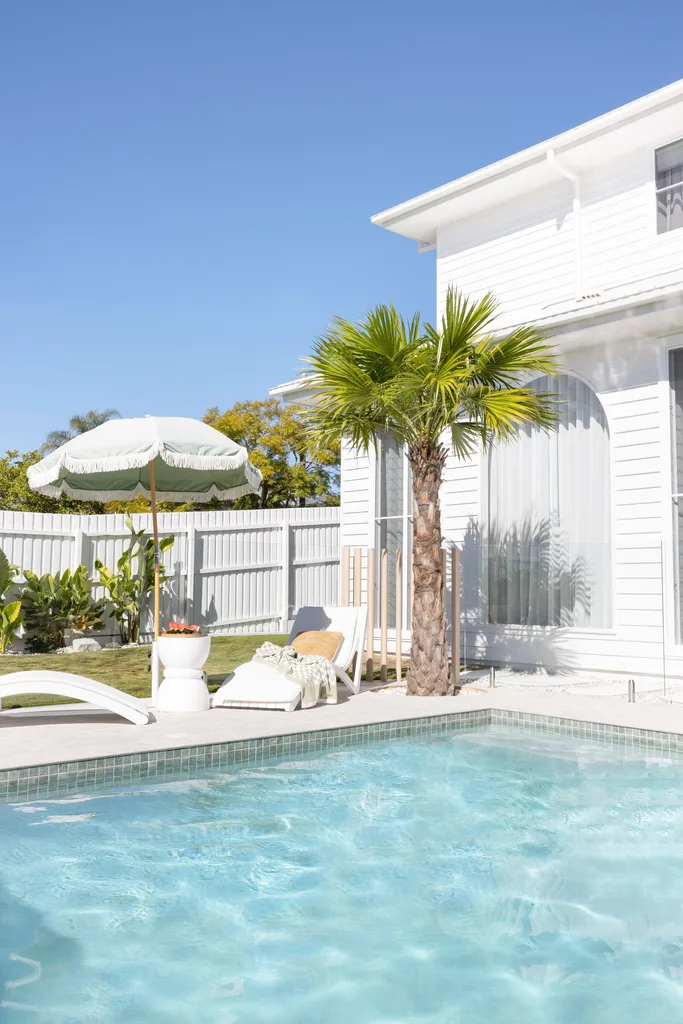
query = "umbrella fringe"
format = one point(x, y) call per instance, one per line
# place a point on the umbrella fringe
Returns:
point(39, 478)
point(223, 494)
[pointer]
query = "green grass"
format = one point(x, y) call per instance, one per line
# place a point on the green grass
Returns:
point(126, 669)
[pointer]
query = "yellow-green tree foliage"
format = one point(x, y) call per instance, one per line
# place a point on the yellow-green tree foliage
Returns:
point(16, 495)
point(279, 443)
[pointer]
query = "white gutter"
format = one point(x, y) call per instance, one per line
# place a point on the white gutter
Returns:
point(630, 113)
point(576, 206)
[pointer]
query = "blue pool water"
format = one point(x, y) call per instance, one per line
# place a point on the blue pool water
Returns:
point(478, 878)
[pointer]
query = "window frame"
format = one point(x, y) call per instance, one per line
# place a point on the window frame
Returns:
point(654, 191)
point(407, 532)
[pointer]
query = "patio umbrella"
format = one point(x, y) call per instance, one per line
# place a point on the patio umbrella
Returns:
point(164, 458)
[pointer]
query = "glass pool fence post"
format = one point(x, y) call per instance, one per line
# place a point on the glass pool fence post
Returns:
point(155, 672)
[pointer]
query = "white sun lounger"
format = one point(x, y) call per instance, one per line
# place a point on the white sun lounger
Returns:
point(261, 686)
point(66, 684)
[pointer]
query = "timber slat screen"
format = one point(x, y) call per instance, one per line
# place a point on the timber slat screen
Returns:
point(361, 579)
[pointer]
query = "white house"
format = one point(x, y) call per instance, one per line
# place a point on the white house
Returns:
point(572, 545)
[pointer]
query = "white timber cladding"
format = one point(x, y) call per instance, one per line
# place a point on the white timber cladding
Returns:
point(358, 502)
point(524, 250)
point(358, 491)
point(231, 572)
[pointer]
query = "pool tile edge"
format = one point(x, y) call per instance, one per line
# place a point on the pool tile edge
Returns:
point(71, 777)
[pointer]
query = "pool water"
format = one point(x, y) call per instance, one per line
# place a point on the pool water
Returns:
point(478, 878)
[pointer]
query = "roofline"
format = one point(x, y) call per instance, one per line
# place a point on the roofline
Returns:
point(534, 154)
point(300, 385)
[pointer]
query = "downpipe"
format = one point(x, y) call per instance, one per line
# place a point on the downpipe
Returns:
point(576, 208)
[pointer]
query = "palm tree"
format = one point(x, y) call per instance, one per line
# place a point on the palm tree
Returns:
point(425, 387)
point(78, 425)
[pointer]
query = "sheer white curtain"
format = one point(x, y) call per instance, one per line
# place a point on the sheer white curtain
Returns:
point(547, 542)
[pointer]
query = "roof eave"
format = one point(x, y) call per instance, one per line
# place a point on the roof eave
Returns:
point(300, 391)
point(534, 155)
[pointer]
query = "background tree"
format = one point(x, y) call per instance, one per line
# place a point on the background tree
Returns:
point(428, 389)
point(278, 439)
point(78, 424)
point(17, 496)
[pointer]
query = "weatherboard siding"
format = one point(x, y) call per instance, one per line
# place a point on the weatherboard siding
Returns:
point(356, 507)
point(524, 251)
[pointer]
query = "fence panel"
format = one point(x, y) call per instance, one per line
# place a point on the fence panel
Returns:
point(232, 572)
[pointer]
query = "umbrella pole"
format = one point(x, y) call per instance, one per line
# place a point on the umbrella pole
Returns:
point(155, 534)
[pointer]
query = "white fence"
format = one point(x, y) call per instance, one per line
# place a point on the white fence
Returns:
point(232, 572)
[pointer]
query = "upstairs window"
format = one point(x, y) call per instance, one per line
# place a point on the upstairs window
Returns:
point(669, 186)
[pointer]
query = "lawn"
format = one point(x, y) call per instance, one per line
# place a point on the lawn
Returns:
point(126, 669)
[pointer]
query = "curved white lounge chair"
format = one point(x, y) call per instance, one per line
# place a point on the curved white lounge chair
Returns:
point(66, 684)
point(261, 686)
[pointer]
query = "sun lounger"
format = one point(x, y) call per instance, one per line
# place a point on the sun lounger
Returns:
point(254, 685)
point(66, 684)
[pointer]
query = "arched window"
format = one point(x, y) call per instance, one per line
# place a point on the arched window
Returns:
point(547, 544)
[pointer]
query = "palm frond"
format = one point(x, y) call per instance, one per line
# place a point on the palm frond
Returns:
point(464, 320)
point(521, 352)
point(386, 374)
point(504, 411)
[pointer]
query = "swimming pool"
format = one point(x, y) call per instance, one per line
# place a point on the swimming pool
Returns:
point(475, 878)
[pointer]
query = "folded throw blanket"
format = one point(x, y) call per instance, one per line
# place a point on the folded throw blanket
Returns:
point(313, 673)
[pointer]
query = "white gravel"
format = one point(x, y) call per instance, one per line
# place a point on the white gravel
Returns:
point(648, 689)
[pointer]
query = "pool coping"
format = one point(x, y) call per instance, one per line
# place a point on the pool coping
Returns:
point(66, 778)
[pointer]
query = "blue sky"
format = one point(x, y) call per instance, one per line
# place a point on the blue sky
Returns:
point(186, 185)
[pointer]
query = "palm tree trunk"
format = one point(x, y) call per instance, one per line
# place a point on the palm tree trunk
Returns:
point(428, 674)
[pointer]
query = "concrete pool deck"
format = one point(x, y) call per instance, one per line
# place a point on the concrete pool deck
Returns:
point(37, 736)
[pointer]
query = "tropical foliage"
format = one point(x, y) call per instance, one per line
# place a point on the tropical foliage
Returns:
point(51, 604)
point(129, 587)
point(78, 424)
point(10, 611)
point(48, 605)
point(458, 386)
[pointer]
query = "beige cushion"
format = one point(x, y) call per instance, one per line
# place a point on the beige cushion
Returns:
point(318, 641)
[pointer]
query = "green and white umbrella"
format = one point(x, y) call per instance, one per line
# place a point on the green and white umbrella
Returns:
point(167, 457)
point(164, 458)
